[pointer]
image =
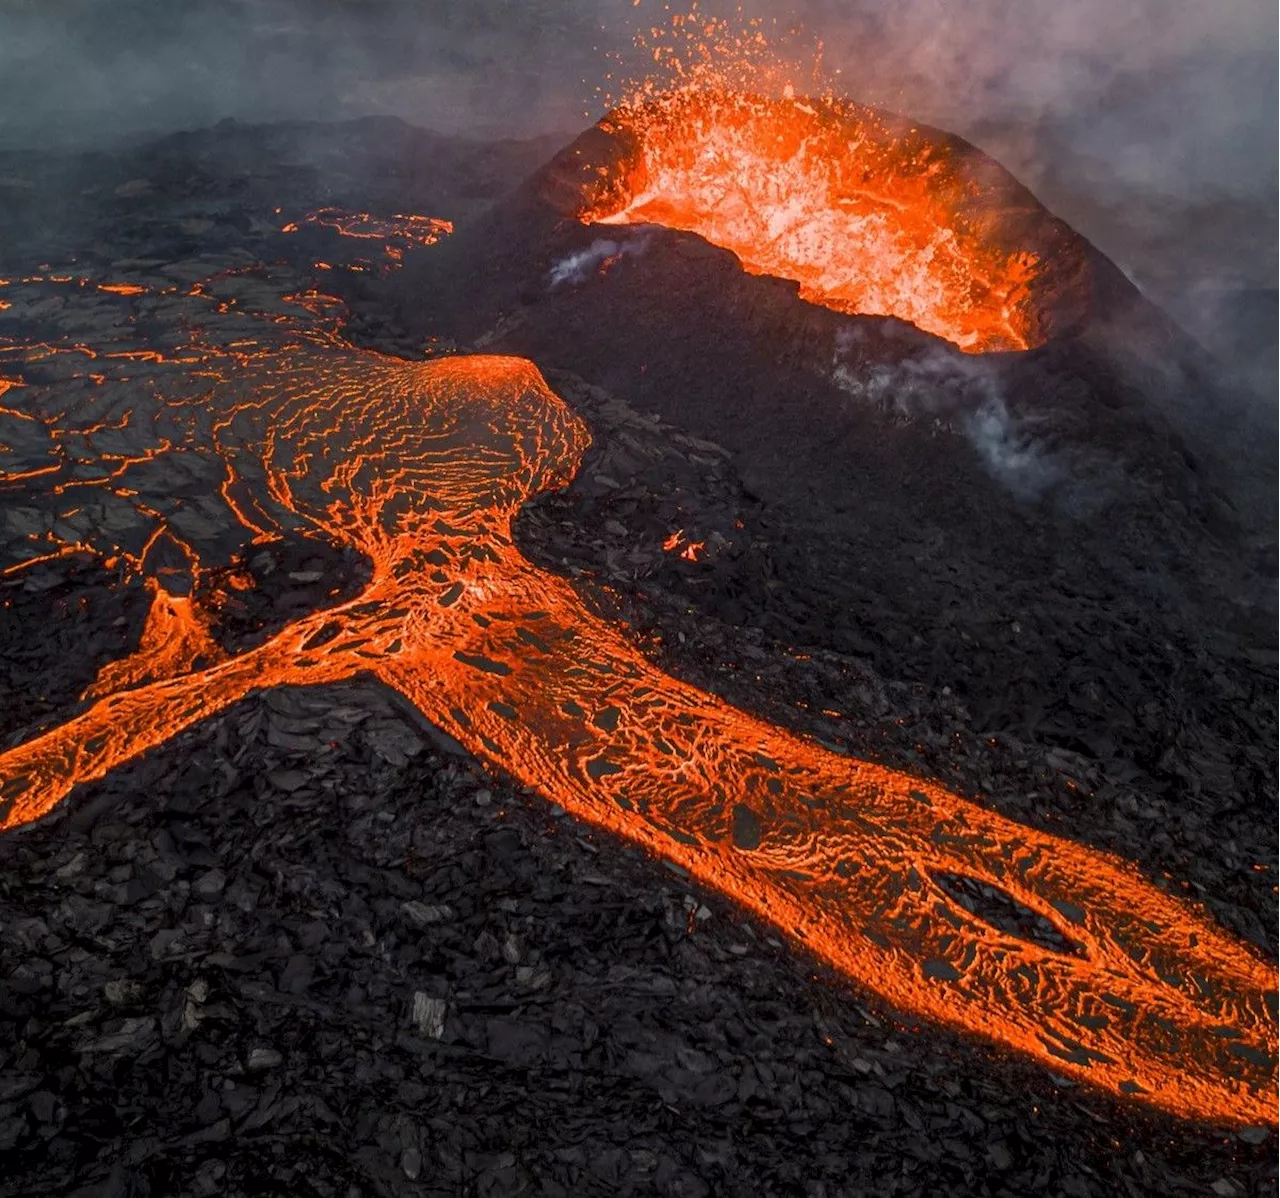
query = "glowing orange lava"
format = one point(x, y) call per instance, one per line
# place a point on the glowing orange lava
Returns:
point(869, 216)
point(691, 550)
point(176, 640)
point(396, 233)
point(421, 467)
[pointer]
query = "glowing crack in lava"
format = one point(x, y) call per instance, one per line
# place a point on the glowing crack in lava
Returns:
point(422, 466)
point(868, 213)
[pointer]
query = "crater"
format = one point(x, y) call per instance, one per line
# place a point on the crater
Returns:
point(868, 213)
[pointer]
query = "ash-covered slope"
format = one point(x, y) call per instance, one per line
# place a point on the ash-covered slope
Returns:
point(204, 191)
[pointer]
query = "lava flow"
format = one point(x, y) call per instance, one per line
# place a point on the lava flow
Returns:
point(421, 466)
point(396, 233)
point(869, 214)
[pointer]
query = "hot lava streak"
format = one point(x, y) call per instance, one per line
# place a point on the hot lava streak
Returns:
point(421, 466)
point(869, 213)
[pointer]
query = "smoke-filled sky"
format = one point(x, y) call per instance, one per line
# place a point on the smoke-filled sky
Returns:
point(1165, 99)
point(1180, 91)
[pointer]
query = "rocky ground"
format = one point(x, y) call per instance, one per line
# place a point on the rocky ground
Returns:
point(308, 948)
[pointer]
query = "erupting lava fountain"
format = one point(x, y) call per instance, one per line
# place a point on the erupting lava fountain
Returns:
point(870, 214)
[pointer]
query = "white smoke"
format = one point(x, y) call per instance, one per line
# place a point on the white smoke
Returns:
point(1008, 451)
point(578, 267)
point(958, 393)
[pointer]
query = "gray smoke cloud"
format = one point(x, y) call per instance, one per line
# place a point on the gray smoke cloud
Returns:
point(1171, 93)
point(83, 71)
point(961, 395)
point(1176, 94)
point(577, 268)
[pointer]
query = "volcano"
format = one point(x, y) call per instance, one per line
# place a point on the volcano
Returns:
point(868, 213)
point(865, 212)
point(841, 409)
point(847, 233)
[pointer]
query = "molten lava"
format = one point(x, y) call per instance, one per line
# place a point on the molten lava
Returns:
point(175, 640)
point(869, 215)
point(421, 466)
point(396, 233)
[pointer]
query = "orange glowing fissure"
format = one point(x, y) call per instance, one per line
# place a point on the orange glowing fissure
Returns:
point(691, 551)
point(866, 219)
point(422, 467)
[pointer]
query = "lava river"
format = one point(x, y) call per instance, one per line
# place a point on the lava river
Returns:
point(421, 466)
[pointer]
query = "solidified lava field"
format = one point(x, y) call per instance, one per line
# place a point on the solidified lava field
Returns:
point(387, 548)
